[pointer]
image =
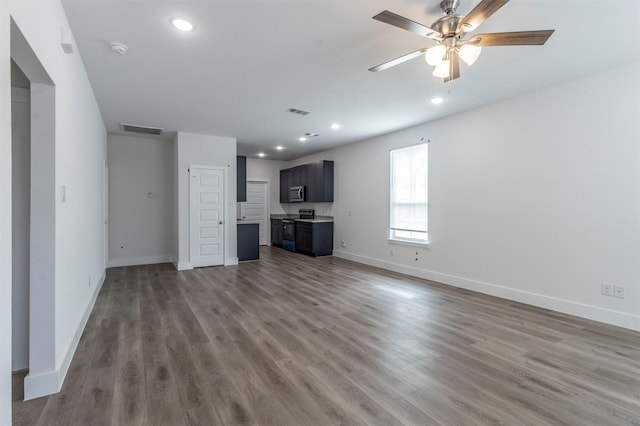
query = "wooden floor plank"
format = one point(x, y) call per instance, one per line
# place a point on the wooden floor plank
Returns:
point(295, 340)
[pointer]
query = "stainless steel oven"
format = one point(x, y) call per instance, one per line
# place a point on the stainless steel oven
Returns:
point(289, 234)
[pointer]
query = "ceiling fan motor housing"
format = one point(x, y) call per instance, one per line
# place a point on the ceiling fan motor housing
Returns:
point(449, 6)
point(447, 25)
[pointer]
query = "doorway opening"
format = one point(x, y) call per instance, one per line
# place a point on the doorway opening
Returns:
point(33, 211)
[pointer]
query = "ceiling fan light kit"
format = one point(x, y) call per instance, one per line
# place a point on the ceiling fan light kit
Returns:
point(449, 32)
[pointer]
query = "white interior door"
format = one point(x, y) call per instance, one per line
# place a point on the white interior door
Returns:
point(206, 193)
point(255, 208)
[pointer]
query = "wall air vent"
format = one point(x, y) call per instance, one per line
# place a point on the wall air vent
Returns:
point(141, 129)
point(297, 111)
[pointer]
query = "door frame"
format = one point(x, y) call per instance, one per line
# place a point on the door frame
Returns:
point(267, 223)
point(192, 211)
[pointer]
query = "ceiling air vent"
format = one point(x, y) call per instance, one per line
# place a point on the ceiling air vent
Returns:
point(297, 111)
point(141, 129)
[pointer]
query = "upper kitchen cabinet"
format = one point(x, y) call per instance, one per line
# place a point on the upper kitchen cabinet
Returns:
point(286, 181)
point(320, 182)
point(317, 178)
point(241, 163)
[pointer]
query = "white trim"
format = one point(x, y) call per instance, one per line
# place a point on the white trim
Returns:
point(20, 95)
point(133, 261)
point(225, 220)
point(408, 243)
point(183, 266)
point(51, 382)
point(596, 313)
point(232, 261)
point(267, 196)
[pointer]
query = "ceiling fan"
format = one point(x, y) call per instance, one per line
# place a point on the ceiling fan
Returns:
point(449, 32)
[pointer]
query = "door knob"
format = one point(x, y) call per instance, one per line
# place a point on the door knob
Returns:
point(220, 222)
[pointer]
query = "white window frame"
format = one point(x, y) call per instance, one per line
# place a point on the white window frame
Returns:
point(397, 234)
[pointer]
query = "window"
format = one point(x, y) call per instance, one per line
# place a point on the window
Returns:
point(409, 194)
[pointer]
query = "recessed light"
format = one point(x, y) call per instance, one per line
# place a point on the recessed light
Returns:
point(335, 126)
point(437, 101)
point(261, 154)
point(182, 24)
point(279, 147)
point(302, 139)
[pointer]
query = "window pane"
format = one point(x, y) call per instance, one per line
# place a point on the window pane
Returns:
point(409, 193)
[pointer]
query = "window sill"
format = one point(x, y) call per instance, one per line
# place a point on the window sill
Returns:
point(408, 243)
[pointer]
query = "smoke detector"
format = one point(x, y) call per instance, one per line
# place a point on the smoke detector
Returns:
point(120, 48)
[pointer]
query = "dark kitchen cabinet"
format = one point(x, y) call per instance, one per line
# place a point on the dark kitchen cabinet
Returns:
point(299, 176)
point(276, 232)
point(248, 241)
point(320, 182)
point(317, 178)
point(241, 168)
point(315, 239)
point(286, 181)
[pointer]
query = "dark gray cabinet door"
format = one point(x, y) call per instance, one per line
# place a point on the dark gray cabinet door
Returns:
point(276, 232)
point(241, 169)
point(248, 241)
point(304, 237)
point(320, 180)
point(285, 184)
point(314, 239)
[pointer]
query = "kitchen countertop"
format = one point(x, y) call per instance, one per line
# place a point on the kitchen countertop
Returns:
point(246, 222)
point(317, 219)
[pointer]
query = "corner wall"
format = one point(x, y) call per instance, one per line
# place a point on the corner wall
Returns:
point(534, 199)
point(80, 153)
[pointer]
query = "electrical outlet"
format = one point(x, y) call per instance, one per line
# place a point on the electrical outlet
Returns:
point(89, 281)
point(606, 289)
point(343, 243)
point(390, 252)
point(618, 291)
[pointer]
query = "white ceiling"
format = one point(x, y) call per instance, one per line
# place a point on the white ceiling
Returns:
point(248, 61)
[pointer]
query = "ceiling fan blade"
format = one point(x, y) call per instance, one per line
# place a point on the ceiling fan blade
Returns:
point(404, 23)
point(516, 38)
point(479, 14)
point(454, 68)
point(397, 61)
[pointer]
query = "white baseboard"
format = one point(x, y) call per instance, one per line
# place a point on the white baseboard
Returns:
point(51, 382)
point(231, 261)
point(183, 266)
point(133, 261)
point(620, 319)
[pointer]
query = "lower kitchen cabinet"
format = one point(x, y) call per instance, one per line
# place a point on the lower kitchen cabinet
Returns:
point(276, 232)
point(314, 238)
point(248, 241)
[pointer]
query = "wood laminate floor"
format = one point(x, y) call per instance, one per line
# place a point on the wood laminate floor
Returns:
point(293, 340)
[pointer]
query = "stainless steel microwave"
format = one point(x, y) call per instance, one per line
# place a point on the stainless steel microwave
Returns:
point(296, 194)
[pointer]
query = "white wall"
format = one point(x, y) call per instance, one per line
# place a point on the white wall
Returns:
point(268, 170)
point(204, 150)
point(79, 157)
point(21, 202)
point(141, 200)
point(535, 199)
